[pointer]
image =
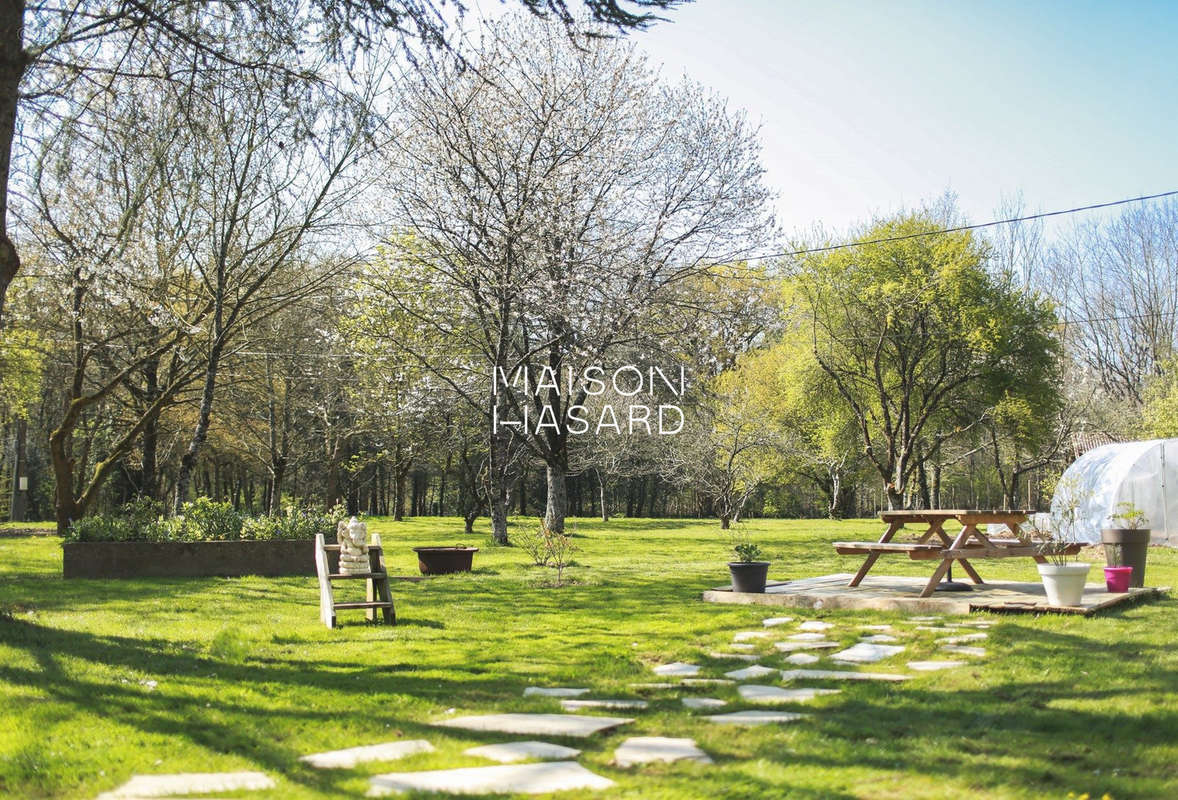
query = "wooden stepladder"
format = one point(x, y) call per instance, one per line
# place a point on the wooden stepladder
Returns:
point(379, 597)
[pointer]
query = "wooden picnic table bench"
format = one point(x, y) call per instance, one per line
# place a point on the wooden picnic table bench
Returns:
point(933, 543)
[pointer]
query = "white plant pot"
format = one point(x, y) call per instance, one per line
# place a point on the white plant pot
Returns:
point(1064, 583)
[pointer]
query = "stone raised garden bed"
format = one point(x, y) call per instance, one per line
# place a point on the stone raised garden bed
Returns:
point(268, 558)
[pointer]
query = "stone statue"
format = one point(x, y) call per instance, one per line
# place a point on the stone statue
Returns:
point(353, 547)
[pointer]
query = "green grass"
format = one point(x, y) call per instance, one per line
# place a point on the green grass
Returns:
point(247, 678)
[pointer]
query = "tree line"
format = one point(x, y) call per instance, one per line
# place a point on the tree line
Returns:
point(264, 286)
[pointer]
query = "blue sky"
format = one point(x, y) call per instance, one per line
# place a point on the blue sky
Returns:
point(869, 107)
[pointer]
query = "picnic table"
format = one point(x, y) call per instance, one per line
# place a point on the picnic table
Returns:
point(934, 544)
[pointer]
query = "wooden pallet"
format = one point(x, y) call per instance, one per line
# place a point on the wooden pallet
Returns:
point(379, 597)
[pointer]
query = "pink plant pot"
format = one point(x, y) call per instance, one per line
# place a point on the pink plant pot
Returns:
point(1116, 579)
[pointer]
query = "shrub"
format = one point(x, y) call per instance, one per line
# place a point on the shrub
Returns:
point(202, 520)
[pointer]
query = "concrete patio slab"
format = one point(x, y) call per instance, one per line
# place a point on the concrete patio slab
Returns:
point(385, 751)
point(891, 593)
point(510, 752)
point(645, 749)
point(535, 724)
point(543, 778)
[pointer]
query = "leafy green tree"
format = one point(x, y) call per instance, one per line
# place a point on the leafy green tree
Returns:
point(919, 339)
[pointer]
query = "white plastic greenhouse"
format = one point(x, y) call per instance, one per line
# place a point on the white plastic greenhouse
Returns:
point(1144, 474)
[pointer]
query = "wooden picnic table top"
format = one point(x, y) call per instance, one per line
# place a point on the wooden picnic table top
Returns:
point(968, 515)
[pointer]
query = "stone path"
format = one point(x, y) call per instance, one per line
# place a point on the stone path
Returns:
point(775, 621)
point(787, 647)
point(509, 752)
point(808, 637)
point(736, 656)
point(554, 692)
point(802, 659)
point(963, 650)
point(867, 653)
point(536, 724)
point(386, 751)
point(141, 786)
point(678, 669)
point(744, 636)
point(755, 717)
point(755, 671)
point(644, 749)
point(815, 625)
point(775, 694)
point(933, 666)
point(550, 776)
point(696, 703)
point(839, 675)
point(575, 705)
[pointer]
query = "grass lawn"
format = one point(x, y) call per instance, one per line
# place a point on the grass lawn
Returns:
point(245, 676)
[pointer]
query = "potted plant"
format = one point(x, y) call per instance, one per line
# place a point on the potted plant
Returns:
point(749, 572)
point(1126, 542)
point(1063, 577)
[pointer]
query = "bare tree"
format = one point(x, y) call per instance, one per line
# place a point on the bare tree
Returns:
point(561, 199)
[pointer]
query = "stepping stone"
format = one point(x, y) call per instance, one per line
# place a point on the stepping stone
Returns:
point(963, 650)
point(703, 702)
point(744, 636)
point(386, 751)
point(976, 624)
point(755, 671)
point(933, 618)
point(556, 692)
point(743, 646)
point(789, 647)
point(550, 776)
point(867, 653)
point(576, 705)
point(775, 694)
point(802, 659)
point(969, 637)
point(644, 749)
point(880, 638)
point(775, 621)
point(189, 783)
point(643, 686)
point(839, 675)
point(707, 681)
point(815, 625)
point(807, 637)
point(876, 627)
point(739, 656)
point(935, 628)
point(756, 717)
point(508, 752)
point(933, 666)
point(536, 724)
point(677, 668)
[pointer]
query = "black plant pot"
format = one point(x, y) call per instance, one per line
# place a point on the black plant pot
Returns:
point(444, 560)
point(1127, 547)
point(749, 576)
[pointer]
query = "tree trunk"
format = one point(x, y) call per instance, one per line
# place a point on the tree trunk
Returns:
point(13, 62)
point(188, 460)
point(558, 502)
point(725, 522)
point(601, 491)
